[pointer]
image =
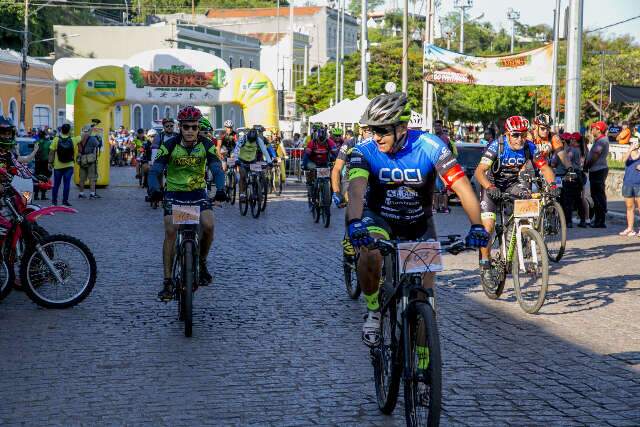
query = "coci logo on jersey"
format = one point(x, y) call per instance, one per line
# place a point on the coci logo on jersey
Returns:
point(400, 175)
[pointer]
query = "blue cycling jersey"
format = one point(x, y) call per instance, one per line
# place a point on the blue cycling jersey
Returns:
point(401, 184)
point(505, 170)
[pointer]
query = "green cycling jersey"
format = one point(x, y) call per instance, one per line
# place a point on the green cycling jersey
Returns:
point(186, 167)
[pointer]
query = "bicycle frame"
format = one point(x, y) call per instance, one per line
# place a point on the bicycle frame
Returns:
point(515, 236)
point(187, 233)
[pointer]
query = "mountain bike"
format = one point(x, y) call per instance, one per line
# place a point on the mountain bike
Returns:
point(409, 347)
point(518, 248)
point(185, 266)
point(277, 178)
point(254, 192)
point(230, 186)
point(350, 274)
point(320, 196)
point(551, 223)
point(265, 183)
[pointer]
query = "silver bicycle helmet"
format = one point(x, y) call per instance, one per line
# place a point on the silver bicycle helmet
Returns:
point(386, 109)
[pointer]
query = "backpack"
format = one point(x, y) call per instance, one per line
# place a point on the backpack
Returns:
point(65, 150)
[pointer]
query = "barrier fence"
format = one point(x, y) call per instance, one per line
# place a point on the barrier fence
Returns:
point(294, 163)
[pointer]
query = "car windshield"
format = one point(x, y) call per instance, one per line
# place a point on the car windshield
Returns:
point(469, 157)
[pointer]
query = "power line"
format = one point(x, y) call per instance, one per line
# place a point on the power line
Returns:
point(612, 25)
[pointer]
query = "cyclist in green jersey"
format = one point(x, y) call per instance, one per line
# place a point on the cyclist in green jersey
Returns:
point(247, 151)
point(186, 158)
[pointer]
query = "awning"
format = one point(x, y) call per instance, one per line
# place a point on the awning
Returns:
point(619, 94)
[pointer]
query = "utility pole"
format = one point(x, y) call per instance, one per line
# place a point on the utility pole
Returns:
point(306, 64)
point(462, 5)
point(193, 10)
point(405, 46)
point(337, 51)
point(554, 71)
point(427, 87)
point(364, 42)
point(24, 66)
point(513, 16)
point(292, 81)
point(602, 54)
point(574, 66)
point(344, 5)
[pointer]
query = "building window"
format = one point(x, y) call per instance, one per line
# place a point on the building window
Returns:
point(41, 116)
point(167, 112)
point(155, 113)
point(61, 117)
point(240, 63)
point(231, 62)
point(136, 116)
point(13, 111)
point(250, 63)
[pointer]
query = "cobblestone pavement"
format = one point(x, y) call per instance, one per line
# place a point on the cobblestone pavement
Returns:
point(277, 341)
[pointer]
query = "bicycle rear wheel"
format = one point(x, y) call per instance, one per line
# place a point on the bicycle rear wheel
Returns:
point(386, 357)
point(325, 203)
point(553, 228)
point(530, 280)
point(188, 273)
point(493, 288)
point(265, 184)
point(423, 391)
point(59, 273)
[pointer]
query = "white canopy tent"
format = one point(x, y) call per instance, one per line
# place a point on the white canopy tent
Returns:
point(331, 114)
point(346, 111)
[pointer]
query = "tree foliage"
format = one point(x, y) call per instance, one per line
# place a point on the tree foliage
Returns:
point(355, 6)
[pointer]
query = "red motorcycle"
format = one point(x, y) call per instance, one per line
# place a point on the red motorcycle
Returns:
point(56, 271)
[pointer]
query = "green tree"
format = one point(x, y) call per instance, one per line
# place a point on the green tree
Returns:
point(355, 6)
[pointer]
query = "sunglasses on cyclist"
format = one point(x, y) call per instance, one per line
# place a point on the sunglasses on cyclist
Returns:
point(381, 130)
point(190, 127)
point(517, 134)
point(169, 125)
point(543, 127)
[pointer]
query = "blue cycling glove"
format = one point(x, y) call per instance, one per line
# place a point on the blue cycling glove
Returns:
point(338, 200)
point(358, 234)
point(478, 236)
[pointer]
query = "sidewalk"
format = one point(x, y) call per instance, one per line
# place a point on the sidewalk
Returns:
point(617, 211)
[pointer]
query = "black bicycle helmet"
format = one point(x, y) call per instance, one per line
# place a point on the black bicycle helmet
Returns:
point(6, 123)
point(386, 109)
point(252, 135)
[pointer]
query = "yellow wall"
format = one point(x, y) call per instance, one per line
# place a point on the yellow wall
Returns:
point(40, 90)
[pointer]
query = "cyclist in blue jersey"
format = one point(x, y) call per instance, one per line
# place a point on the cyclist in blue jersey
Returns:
point(391, 184)
point(499, 172)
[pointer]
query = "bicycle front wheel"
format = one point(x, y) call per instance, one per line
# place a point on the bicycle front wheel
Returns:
point(188, 272)
point(244, 205)
point(60, 272)
point(265, 190)
point(325, 203)
point(256, 198)
point(351, 277)
point(531, 278)
point(423, 391)
point(553, 227)
point(386, 361)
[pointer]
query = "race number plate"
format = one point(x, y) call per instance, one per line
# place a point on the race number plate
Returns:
point(261, 164)
point(529, 208)
point(231, 162)
point(185, 214)
point(255, 167)
point(419, 257)
point(323, 172)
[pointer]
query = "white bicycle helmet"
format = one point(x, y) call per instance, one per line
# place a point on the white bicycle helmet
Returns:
point(151, 133)
point(228, 124)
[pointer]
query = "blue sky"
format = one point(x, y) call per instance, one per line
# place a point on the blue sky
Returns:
point(597, 13)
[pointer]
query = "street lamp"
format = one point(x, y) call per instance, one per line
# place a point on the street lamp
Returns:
point(462, 5)
point(513, 16)
point(24, 66)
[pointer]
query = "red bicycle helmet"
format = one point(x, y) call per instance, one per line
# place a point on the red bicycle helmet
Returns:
point(516, 124)
point(189, 114)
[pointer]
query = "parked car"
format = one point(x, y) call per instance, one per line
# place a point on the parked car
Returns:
point(469, 155)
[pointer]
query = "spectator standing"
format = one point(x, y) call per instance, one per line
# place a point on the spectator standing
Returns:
point(571, 179)
point(625, 134)
point(584, 206)
point(42, 164)
point(88, 161)
point(596, 164)
point(631, 186)
point(62, 151)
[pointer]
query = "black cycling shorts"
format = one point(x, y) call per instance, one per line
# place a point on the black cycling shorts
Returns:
point(424, 229)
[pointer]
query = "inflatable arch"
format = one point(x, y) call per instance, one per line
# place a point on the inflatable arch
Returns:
point(167, 76)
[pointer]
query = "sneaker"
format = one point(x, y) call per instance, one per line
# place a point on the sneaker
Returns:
point(243, 197)
point(627, 232)
point(371, 328)
point(205, 277)
point(166, 294)
point(582, 224)
point(66, 204)
point(95, 196)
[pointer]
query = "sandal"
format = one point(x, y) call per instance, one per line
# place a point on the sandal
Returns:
point(627, 232)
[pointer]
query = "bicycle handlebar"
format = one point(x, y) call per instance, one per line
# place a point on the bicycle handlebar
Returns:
point(453, 244)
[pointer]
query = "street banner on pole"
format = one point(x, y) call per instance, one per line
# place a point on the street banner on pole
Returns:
point(530, 68)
